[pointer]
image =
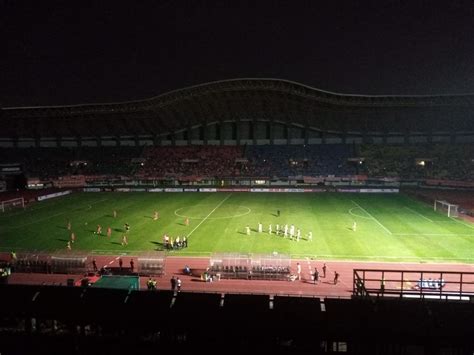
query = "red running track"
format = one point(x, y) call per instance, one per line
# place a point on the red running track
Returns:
point(304, 287)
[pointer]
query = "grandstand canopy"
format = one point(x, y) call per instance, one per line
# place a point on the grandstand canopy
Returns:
point(270, 100)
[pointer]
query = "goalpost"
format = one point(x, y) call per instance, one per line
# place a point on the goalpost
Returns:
point(447, 208)
point(9, 204)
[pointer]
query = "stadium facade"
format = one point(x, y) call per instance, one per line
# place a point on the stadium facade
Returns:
point(145, 146)
point(245, 111)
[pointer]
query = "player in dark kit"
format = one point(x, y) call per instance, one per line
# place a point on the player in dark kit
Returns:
point(278, 213)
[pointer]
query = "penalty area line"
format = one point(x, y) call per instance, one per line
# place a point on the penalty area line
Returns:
point(418, 213)
point(375, 219)
point(461, 222)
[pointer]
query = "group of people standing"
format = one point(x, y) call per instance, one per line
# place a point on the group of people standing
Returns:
point(284, 230)
point(177, 243)
point(175, 283)
point(316, 276)
point(98, 232)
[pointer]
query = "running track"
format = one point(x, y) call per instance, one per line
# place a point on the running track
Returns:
point(304, 287)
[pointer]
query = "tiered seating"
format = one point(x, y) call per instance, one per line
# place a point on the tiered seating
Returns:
point(107, 160)
point(453, 162)
point(295, 160)
point(191, 161)
point(52, 162)
point(39, 162)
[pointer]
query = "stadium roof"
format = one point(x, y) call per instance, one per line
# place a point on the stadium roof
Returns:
point(257, 99)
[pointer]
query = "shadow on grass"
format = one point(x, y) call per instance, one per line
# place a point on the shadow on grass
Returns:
point(150, 217)
point(116, 243)
point(63, 240)
point(118, 230)
point(159, 246)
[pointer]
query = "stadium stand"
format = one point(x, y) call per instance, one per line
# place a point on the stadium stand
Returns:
point(39, 162)
point(437, 161)
point(237, 128)
point(299, 160)
point(191, 162)
point(440, 161)
point(47, 163)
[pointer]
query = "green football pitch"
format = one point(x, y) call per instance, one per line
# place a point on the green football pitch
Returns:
point(390, 227)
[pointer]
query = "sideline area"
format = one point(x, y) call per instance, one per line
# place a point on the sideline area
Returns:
point(194, 283)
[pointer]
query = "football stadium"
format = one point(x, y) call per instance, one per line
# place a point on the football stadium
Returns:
point(259, 198)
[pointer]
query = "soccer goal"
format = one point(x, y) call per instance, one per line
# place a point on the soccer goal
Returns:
point(447, 208)
point(13, 203)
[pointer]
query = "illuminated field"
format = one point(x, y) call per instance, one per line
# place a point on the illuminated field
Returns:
point(389, 227)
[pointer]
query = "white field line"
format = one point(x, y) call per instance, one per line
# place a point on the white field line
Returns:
point(205, 218)
point(419, 214)
point(461, 222)
point(304, 257)
point(32, 209)
point(334, 257)
point(54, 215)
point(357, 215)
point(111, 262)
point(36, 221)
point(89, 206)
point(375, 219)
point(225, 217)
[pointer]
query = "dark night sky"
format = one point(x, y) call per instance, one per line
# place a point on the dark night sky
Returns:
point(70, 52)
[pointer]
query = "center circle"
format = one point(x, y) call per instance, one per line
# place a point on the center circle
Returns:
point(202, 211)
point(356, 214)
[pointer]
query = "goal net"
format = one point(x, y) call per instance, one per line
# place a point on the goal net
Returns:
point(447, 208)
point(13, 203)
